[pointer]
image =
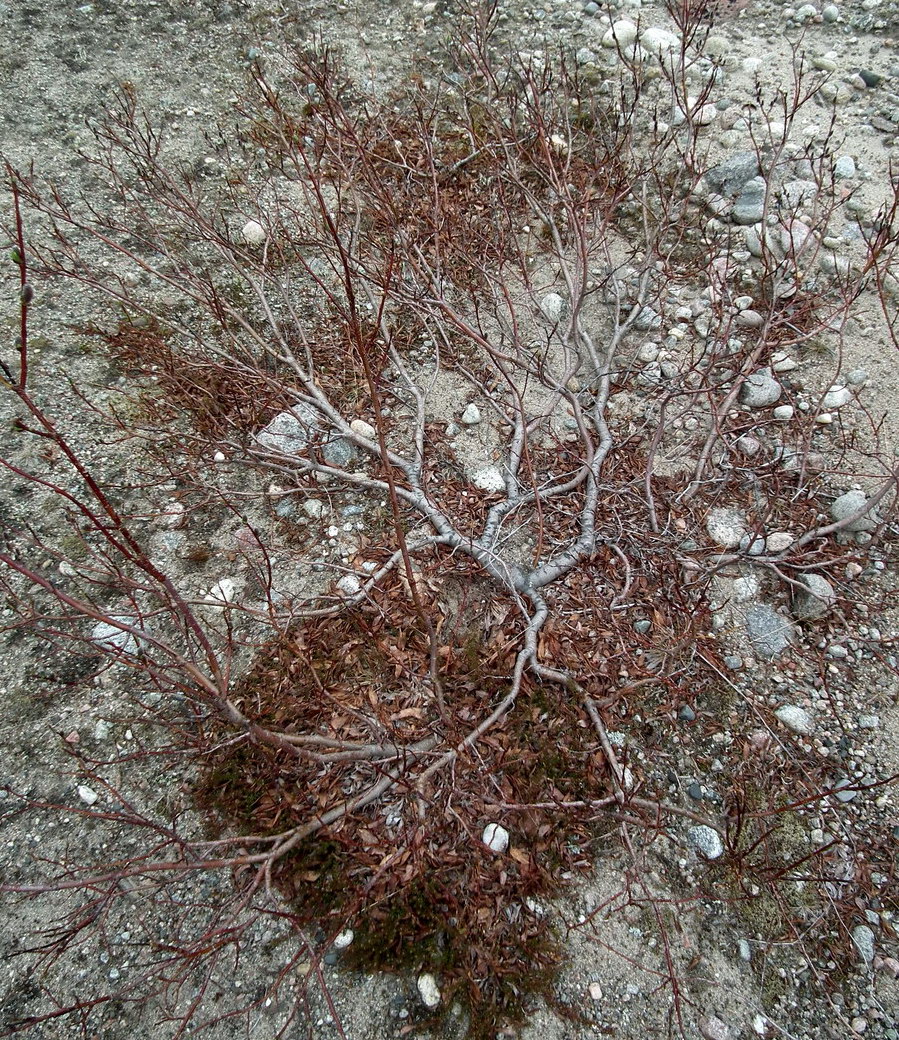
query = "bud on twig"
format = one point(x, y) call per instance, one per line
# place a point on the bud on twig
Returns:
point(27, 293)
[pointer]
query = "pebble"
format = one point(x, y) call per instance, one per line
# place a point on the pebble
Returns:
point(622, 33)
point(745, 950)
point(778, 541)
point(844, 167)
point(110, 638)
point(595, 991)
point(837, 652)
point(313, 508)
point(289, 431)
point(863, 939)
point(222, 592)
point(726, 527)
point(349, 585)
point(344, 939)
point(784, 412)
point(836, 397)
point(686, 713)
point(850, 503)
point(363, 429)
point(642, 627)
point(712, 1028)
point(797, 719)
point(428, 990)
point(471, 416)
point(761, 389)
point(750, 205)
point(706, 841)
point(495, 837)
point(87, 794)
point(859, 1025)
point(338, 451)
point(830, 13)
point(730, 176)
point(841, 794)
point(553, 307)
point(488, 478)
point(253, 233)
point(768, 632)
point(817, 601)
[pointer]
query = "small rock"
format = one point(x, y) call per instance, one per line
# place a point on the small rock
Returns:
point(844, 167)
point(553, 307)
point(868, 721)
point(761, 389)
point(622, 33)
point(338, 452)
point(488, 478)
point(726, 527)
point(859, 1025)
point(712, 1028)
point(363, 429)
point(110, 638)
point(778, 541)
point(289, 431)
point(642, 627)
point(686, 713)
point(817, 601)
point(836, 397)
point(349, 585)
point(857, 377)
point(102, 729)
point(863, 938)
point(797, 719)
point(428, 990)
point(706, 841)
point(471, 416)
point(344, 939)
point(730, 176)
point(784, 412)
point(222, 592)
point(850, 503)
point(769, 633)
point(753, 546)
point(595, 991)
point(750, 205)
point(253, 233)
point(745, 950)
point(842, 791)
point(830, 13)
point(87, 794)
point(869, 78)
point(694, 791)
point(495, 837)
point(314, 508)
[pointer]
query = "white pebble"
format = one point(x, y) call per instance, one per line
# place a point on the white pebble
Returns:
point(495, 837)
point(428, 990)
point(253, 233)
point(87, 794)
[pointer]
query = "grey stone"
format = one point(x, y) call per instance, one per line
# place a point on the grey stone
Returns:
point(338, 451)
point(830, 13)
point(488, 478)
point(844, 167)
point(471, 416)
point(313, 507)
point(725, 527)
point(706, 841)
point(818, 601)
point(553, 308)
point(642, 627)
point(842, 794)
point(863, 939)
point(289, 431)
point(730, 176)
point(750, 205)
point(648, 319)
point(836, 397)
point(797, 719)
point(850, 503)
point(695, 792)
point(761, 389)
point(769, 633)
point(686, 713)
point(869, 77)
point(111, 639)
